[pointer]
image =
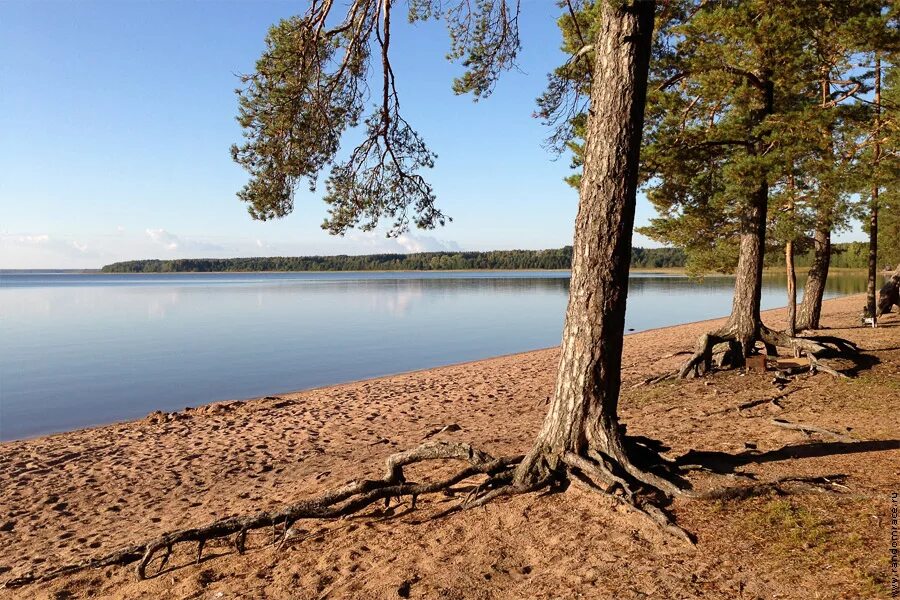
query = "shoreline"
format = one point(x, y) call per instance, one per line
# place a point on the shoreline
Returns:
point(424, 370)
point(665, 270)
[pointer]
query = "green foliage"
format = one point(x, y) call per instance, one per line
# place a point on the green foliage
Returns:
point(710, 121)
point(563, 105)
point(426, 261)
point(706, 150)
point(846, 255)
point(889, 176)
point(711, 144)
point(889, 229)
point(312, 84)
point(293, 112)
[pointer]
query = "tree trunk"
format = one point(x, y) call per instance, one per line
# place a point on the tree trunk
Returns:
point(791, 288)
point(742, 328)
point(814, 290)
point(871, 301)
point(872, 283)
point(790, 270)
point(743, 324)
point(583, 414)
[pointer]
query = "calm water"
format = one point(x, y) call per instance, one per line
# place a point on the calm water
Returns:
point(80, 350)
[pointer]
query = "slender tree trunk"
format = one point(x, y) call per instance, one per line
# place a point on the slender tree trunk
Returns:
point(814, 288)
point(791, 288)
point(790, 270)
point(583, 414)
point(871, 300)
point(810, 309)
point(872, 283)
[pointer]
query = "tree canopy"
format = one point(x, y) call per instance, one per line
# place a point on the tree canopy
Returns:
point(311, 86)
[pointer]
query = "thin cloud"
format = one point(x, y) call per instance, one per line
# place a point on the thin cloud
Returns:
point(27, 239)
point(165, 239)
point(408, 243)
point(172, 242)
point(425, 243)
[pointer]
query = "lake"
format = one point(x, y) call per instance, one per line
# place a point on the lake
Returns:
point(86, 349)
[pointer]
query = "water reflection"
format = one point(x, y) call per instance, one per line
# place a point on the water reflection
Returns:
point(85, 349)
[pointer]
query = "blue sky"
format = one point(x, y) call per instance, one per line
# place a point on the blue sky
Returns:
point(118, 118)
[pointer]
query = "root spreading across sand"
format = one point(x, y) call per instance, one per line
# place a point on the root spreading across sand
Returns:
point(595, 472)
point(727, 344)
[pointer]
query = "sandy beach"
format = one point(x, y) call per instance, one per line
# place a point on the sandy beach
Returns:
point(68, 496)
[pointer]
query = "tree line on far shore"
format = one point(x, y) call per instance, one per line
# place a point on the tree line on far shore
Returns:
point(852, 255)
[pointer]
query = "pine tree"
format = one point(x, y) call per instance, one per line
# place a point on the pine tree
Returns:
point(889, 200)
point(878, 162)
point(730, 119)
point(308, 90)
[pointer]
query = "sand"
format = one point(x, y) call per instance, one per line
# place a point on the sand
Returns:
point(87, 492)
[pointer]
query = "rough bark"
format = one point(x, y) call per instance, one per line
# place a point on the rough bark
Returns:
point(583, 414)
point(810, 310)
point(743, 323)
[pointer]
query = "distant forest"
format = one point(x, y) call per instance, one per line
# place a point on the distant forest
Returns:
point(850, 255)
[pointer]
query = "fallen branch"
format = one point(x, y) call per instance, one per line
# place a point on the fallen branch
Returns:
point(444, 429)
point(816, 366)
point(783, 485)
point(808, 429)
point(774, 401)
point(656, 379)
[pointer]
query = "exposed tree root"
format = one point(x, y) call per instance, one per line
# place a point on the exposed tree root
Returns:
point(616, 478)
point(123, 556)
point(343, 501)
point(595, 476)
point(732, 349)
point(639, 490)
